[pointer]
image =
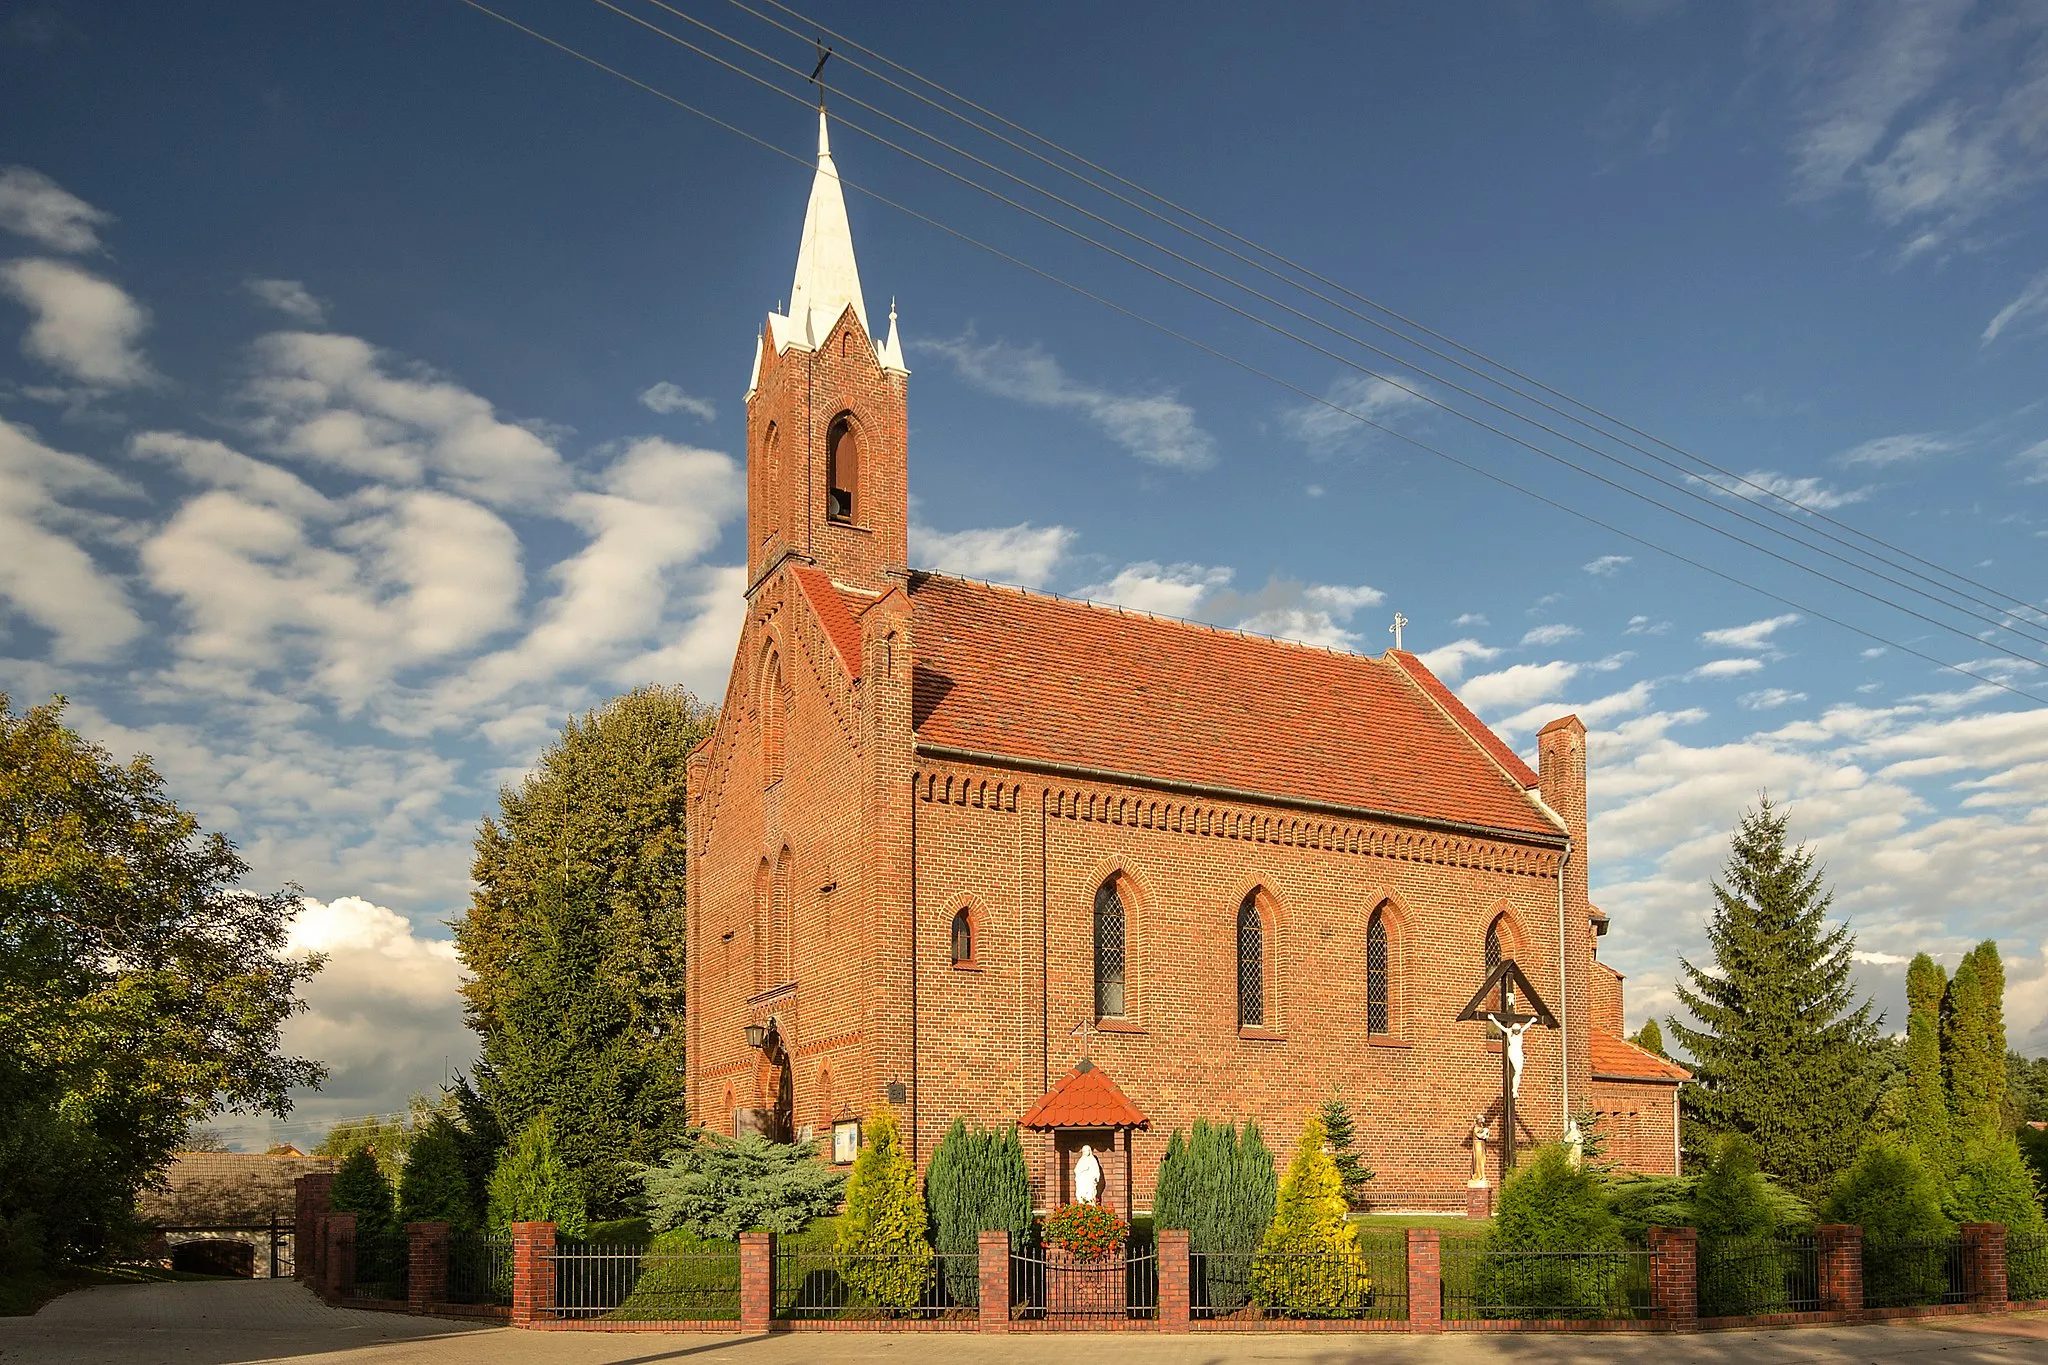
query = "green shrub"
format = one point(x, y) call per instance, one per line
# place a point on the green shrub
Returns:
point(1550, 1205)
point(683, 1277)
point(1892, 1196)
point(720, 1187)
point(532, 1184)
point(619, 1232)
point(1221, 1187)
point(1309, 1261)
point(884, 1254)
point(361, 1189)
point(1733, 1201)
point(977, 1182)
point(1993, 1183)
point(433, 1187)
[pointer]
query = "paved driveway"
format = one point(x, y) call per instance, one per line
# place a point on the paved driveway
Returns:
point(251, 1321)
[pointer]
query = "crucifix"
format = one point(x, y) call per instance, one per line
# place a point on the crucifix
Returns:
point(1497, 1003)
point(1395, 629)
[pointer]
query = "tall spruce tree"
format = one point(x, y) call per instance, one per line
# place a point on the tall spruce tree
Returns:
point(1340, 1131)
point(574, 941)
point(1781, 1048)
point(1927, 1114)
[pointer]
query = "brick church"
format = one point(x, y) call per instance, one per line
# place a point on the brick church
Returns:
point(989, 853)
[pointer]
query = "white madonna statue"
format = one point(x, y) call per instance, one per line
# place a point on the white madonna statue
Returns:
point(1087, 1177)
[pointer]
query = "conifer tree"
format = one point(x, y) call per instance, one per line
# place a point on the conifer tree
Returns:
point(361, 1189)
point(1650, 1039)
point(1891, 1194)
point(1308, 1260)
point(1548, 1204)
point(433, 1187)
point(1781, 1050)
point(1975, 1056)
point(532, 1184)
point(1927, 1118)
point(1170, 1201)
point(1351, 1168)
point(884, 1253)
point(977, 1182)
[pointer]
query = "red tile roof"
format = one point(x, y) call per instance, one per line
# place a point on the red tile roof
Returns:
point(1042, 679)
point(1085, 1098)
point(1618, 1059)
point(836, 610)
point(1463, 717)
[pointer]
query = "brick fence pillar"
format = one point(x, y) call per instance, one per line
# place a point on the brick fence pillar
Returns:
point(1175, 1300)
point(341, 1256)
point(1841, 1268)
point(1984, 1265)
point(1425, 1280)
point(533, 1273)
point(994, 1285)
point(311, 1194)
point(1675, 1277)
point(426, 1279)
point(757, 1281)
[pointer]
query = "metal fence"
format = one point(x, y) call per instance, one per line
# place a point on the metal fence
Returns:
point(820, 1286)
point(635, 1284)
point(1251, 1287)
point(383, 1262)
point(1751, 1276)
point(1906, 1272)
point(1058, 1292)
point(479, 1268)
point(1486, 1281)
point(2026, 1266)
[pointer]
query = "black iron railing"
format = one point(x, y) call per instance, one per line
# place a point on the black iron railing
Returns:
point(1048, 1287)
point(1371, 1282)
point(1907, 1272)
point(819, 1286)
point(1749, 1276)
point(1483, 1280)
point(638, 1284)
point(383, 1262)
point(479, 1268)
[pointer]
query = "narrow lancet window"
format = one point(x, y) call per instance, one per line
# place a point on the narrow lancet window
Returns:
point(1109, 953)
point(842, 472)
point(1378, 995)
point(963, 937)
point(1251, 965)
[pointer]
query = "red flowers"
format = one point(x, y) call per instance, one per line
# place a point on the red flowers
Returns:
point(1087, 1232)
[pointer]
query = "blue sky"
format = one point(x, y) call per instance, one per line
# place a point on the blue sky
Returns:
point(372, 386)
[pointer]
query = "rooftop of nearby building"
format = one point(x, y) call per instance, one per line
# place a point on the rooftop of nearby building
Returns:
point(217, 1188)
point(1615, 1058)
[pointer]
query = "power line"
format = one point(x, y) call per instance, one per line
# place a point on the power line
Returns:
point(1798, 509)
point(1256, 371)
point(1936, 622)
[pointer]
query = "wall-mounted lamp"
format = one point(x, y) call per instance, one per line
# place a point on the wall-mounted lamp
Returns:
point(756, 1035)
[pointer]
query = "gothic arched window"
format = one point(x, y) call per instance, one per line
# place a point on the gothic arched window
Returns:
point(963, 938)
point(1251, 964)
point(771, 482)
point(1379, 999)
point(1493, 953)
point(1109, 952)
point(774, 711)
point(842, 471)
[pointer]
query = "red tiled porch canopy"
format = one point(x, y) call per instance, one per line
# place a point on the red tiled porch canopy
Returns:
point(1085, 1098)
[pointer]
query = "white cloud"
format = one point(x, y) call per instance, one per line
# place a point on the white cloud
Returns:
point(33, 205)
point(700, 657)
point(385, 1013)
point(1764, 485)
point(1643, 625)
point(83, 326)
point(1755, 635)
point(214, 465)
point(1606, 566)
point(2029, 303)
point(1517, 686)
point(1332, 427)
point(2033, 461)
point(331, 400)
point(1769, 698)
point(44, 574)
point(1449, 661)
point(1592, 714)
point(666, 398)
point(1874, 652)
point(1726, 668)
point(1554, 634)
point(1024, 554)
point(1288, 609)
point(1157, 428)
point(1472, 618)
point(1904, 448)
point(290, 298)
point(1163, 589)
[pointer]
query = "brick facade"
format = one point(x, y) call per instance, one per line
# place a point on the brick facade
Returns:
point(872, 776)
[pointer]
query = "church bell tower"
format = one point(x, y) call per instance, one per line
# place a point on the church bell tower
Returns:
point(826, 416)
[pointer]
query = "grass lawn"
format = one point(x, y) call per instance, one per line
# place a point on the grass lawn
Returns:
point(22, 1296)
point(1446, 1222)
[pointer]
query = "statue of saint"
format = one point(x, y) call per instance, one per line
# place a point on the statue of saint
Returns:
point(1087, 1177)
point(1481, 1135)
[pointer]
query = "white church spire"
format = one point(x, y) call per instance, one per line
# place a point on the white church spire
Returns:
point(827, 279)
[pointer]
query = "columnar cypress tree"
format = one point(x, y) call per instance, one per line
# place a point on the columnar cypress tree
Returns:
point(361, 1189)
point(1650, 1038)
point(1308, 1260)
point(434, 1188)
point(881, 1240)
point(1976, 1053)
point(532, 1184)
point(1781, 1050)
point(977, 1182)
point(1927, 1122)
point(1170, 1202)
point(1352, 1171)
